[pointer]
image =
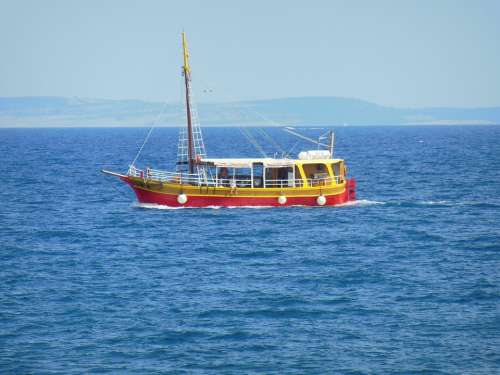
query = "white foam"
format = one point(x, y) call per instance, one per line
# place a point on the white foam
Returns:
point(155, 206)
point(432, 203)
point(455, 203)
point(254, 207)
point(361, 202)
point(163, 207)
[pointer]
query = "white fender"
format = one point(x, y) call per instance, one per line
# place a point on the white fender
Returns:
point(182, 198)
point(281, 199)
point(321, 200)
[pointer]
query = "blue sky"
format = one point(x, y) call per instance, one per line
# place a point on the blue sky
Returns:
point(396, 53)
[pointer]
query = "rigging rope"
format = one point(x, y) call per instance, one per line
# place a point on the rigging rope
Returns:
point(291, 149)
point(149, 132)
point(262, 132)
point(253, 141)
point(271, 140)
point(246, 133)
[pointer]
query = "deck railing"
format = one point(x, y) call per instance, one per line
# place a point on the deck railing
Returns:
point(207, 180)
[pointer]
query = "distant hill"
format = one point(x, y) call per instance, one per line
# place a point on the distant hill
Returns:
point(306, 111)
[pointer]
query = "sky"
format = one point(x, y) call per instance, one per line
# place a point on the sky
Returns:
point(397, 53)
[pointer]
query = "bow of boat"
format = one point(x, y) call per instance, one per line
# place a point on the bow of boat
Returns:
point(115, 174)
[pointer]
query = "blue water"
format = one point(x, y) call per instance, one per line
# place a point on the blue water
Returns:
point(405, 281)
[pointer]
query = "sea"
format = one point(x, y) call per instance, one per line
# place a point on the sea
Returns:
point(406, 280)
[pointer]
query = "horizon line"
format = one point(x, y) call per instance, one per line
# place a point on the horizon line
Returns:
point(164, 102)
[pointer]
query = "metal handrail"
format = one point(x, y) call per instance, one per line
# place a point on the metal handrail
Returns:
point(205, 180)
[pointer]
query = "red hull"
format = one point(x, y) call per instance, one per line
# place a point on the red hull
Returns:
point(151, 197)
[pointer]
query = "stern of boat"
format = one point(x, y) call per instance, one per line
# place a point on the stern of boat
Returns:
point(351, 189)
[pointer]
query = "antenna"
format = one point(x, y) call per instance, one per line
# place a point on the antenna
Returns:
point(331, 141)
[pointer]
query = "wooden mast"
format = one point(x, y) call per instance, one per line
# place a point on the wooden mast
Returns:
point(187, 77)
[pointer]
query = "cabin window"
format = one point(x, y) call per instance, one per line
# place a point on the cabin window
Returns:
point(337, 172)
point(298, 177)
point(279, 177)
point(240, 177)
point(258, 170)
point(316, 173)
point(223, 176)
point(243, 177)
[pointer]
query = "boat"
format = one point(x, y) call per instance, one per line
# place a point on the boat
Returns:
point(313, 178)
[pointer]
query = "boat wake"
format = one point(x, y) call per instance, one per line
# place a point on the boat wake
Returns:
point(361, 203)
point(358, 203)
point(155, 206)
point(441, 203)
point(434, 203)
point(479, 204)
point(162, 207)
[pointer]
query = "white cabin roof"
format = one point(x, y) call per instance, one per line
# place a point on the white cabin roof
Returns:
point(267, 162)
point(247, 162)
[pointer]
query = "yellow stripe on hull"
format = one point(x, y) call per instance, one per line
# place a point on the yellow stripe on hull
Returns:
point(223, 191)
